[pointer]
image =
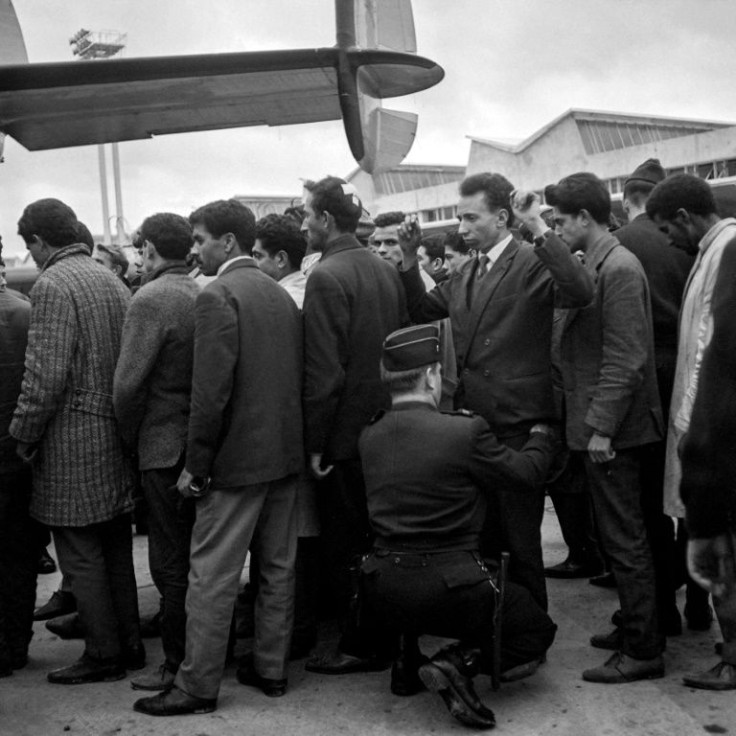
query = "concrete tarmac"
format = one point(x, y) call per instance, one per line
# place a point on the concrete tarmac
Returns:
point(555, 702)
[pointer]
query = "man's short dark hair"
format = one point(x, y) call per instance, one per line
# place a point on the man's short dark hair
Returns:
point(638, 191)
point(496, 192)
point(456, 241)
point(329, 195)
point(170, 234)
point(228, 216)
point(84, 236)
point(117, 256)
point(435, 246)
point(386, 219)
point(681, 191)
point(52, 221)
point(296, 212)
point(402, 381)
point(281, 232)
point(581, 191)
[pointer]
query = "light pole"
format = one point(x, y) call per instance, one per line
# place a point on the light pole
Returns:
point(94, 45)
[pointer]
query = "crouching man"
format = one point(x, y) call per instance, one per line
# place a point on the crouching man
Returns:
point(429, 477)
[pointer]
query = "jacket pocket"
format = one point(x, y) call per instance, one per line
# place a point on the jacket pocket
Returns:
point(91, 402)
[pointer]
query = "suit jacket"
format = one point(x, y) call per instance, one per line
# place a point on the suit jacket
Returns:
point(245, 425)
point(353, 301)
point(80, 475)
point(15, 315)
point(502, 327)
point(708, 486)
point(153, 378)
point(607, 354)
point(427, 475)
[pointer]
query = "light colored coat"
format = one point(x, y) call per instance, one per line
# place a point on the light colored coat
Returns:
point(696, 329)
point(153, 378)
point(80, 475)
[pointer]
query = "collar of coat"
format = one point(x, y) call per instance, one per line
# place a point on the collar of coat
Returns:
point(170, 267)
point(596, 254)
point(65, 252)
point(347, 241)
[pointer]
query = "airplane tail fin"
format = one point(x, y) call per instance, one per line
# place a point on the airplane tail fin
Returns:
point(12, 46)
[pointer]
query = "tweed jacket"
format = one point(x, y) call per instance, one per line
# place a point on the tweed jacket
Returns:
point(153, 378)
point(502, 328)
point(245, 425)
point(708, 486)
point(15, 315)
point(353, 301)
point(80, 475)
point(607, 354)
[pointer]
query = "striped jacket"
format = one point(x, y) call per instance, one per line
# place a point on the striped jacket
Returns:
point(80, 475)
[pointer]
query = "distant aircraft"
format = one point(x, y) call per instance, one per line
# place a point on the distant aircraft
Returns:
point(55, 105)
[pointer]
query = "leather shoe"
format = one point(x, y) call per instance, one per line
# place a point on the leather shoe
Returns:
point(88, 669)
point(66, 627)
point(444, 675)
point(610, 641)
point(134, 656)
point(621, 668)
point(607, 580)
point(60, 603)
point(46, 564)
point(247, 675)
point(570, 569)
point(174, 702)
point(720, 677)
point(405, 680)
point(521, 671)
point(161, 679)
point(340, 663)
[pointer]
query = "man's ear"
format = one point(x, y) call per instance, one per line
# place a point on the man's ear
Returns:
point(683, 217)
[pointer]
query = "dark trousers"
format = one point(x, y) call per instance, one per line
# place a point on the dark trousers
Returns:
point(449, 595)
point(98, 559)
point(346, 534)
point(617, 491)
point(170, 521)
point(18, 560)
point(514, 524)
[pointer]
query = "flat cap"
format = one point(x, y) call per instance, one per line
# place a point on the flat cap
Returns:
point(651, 171)
point(411, 347)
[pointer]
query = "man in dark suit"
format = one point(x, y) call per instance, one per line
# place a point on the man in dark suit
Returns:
point(427, 477)
point(612, 407)
point(18, 551)
point(500, 307)
point(244, 452)
point(353, 300)
point(151, 392)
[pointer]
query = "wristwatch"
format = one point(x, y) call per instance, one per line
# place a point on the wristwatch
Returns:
point(199, 485)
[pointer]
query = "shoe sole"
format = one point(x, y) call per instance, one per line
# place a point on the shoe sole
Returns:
point(621, 680)
point(194, 712)
point(85, 680)
point(437, 682)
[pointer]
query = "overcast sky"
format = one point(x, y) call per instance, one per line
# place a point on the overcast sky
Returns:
point(511, 66)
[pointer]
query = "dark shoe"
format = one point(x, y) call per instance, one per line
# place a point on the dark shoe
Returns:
point(441, 675)
point(405, 680)
point(88, 669)
point(698, 619)
point(46, 564)
point(247, 675)
point(610, 641)
point(134, 656)
point(339, 663)
point(174, 702)
point(66, 627)
point(161, 679)
point(151, 627)
point(607, 580)
point(620, 668)
point(59, 604)
point(570, 569)
point(521, 671)
point(720, 677)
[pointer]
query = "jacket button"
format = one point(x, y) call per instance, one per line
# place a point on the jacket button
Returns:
point(486, 372)
point(78, 392)
point(466, 371)
point(486, 342)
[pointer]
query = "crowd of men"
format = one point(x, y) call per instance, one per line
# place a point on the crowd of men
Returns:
point(290, 407)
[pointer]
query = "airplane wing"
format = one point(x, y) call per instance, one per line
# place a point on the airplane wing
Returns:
point(55, 105)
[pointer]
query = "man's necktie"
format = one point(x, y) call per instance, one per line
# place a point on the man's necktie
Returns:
point(483, 265)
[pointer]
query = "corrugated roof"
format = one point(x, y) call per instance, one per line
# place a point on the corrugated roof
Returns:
point(409, 177)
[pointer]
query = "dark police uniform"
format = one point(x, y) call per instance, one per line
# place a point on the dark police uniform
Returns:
point(429, 477)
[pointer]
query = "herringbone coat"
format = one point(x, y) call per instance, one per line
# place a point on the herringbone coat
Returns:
point(80, 475)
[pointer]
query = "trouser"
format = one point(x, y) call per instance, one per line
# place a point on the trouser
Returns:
point(571, 498)
point(514, 524)
point(725, 607)
point(346, 534)
point(98, 560)
point(449, 594)
point(18, 560)
point(228, 522)
point(617, 493)
point(170, 521)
